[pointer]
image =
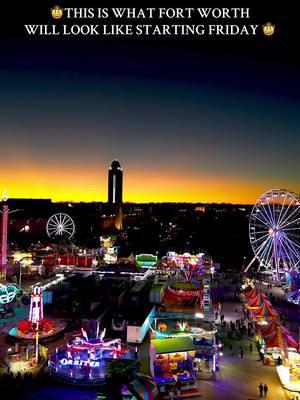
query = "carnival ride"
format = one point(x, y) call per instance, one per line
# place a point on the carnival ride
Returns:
point(197, 328)
point(274, 232)
point(36, 326)
point(8, 292)
point(292, 288)
point(187, 278)
point(84, 360)
point(61, 226)
point(183, 261)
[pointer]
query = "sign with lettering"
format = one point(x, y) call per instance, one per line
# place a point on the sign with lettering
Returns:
point(79, 363)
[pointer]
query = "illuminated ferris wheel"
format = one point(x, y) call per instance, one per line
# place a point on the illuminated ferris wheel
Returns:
point(274, 232)
point(60, 226)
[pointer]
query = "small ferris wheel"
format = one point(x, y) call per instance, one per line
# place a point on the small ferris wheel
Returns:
point(60, 225)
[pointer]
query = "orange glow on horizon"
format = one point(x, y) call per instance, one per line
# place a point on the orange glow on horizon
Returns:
point(140, 185)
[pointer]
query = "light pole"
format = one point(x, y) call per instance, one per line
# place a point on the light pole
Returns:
point(20, 274)
point(9, 350)
point(37, 343)
point(5, 211)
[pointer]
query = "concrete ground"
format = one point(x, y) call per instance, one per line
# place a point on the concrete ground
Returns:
point(239, 378)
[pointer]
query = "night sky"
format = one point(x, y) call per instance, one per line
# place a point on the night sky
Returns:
point(196, 120)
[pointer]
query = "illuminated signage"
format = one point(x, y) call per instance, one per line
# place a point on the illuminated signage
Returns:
point(79, 363)
point(8, 292)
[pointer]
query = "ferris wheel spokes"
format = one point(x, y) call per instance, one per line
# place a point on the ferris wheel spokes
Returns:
point(60, 225)
point(269, 218)
point(289, 223)
point(274, 232)
point(286, 211)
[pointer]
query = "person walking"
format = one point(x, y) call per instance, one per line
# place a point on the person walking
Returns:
point(241, 352)
point(279, 361)
point(261, 388)
point(250, 348)
point(231, 350)
point(163, 391)
point(265, 390)
point(171, 394)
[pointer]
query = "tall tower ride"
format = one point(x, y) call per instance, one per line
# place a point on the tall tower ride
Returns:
point(3, 248)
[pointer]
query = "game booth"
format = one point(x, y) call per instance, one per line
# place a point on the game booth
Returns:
point(206, 358)
point(172, 359)
point(203, 334)
point(85, 358)
point(276, 342)
point(21, 358)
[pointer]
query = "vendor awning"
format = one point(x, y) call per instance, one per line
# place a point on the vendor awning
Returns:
point(258, 300)
point(265, 311)
point(172, 345)
point(276, 335)
point(251, 292)
point(143, 387)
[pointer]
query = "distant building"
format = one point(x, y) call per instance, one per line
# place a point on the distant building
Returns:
point(115, 183)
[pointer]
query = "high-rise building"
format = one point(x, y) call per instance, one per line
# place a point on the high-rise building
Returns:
point(115, 183)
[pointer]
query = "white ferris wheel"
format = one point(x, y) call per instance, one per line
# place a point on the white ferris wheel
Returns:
point(60, 225)
point(274, 232)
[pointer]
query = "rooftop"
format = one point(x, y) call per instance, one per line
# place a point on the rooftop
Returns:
point(173, 345)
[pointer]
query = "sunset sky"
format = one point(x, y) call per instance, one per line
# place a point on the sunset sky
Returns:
point(189, 120)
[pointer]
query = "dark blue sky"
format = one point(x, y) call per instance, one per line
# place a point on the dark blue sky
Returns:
point(219, 118)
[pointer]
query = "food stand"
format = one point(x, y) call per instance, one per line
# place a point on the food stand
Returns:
point(172, 359)
point(276, 341)
point(289, 374)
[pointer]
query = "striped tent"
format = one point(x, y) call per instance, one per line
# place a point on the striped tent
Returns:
point(251, 292)
point(275, 335)
point(265, 311)
point(142, 387)
point(257, 301)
